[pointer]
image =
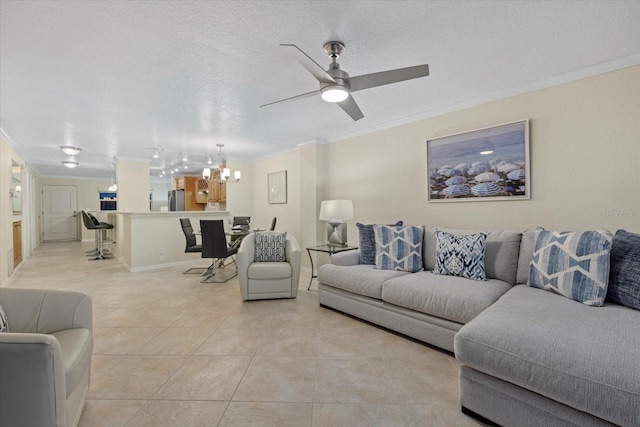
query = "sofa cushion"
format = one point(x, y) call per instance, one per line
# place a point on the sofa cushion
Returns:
point(561, 349)
point(527, 244)
point(572, 264)
point(4, 325)
point(76, 346)
point(269, 270)
point(359, 279)
point(448, 297)
point(500, 255)
point(460, 255)
point(624, 274)
point(398, 248)
point(270, 247)
point(368, 242)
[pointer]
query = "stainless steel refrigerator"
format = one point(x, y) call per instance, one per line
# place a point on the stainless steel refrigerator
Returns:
point(176, 200)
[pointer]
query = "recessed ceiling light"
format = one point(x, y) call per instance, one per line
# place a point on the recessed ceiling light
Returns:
point(70, 151)
point(70, 164)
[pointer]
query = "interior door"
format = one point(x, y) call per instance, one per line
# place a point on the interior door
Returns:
point(59, 209)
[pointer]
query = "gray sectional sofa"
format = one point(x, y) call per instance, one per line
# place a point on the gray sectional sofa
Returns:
point(529, 357)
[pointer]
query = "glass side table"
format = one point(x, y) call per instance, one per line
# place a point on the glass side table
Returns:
point(328, 249)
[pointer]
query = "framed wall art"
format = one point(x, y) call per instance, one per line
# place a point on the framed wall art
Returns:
point(484, 164)
point(277, 182)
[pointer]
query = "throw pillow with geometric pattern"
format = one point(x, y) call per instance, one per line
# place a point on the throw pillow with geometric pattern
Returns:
point(270, 247)
point(460, 255)
point(4, 326)
point(572, 264)
point(398, 248)
point(368, 242)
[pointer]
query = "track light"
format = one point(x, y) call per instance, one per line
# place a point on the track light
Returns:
point(156, 154)
point(184, 157)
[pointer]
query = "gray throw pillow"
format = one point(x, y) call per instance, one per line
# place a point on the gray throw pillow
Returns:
point(624, 273)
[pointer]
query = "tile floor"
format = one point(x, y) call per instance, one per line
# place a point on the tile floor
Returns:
point(171, 351)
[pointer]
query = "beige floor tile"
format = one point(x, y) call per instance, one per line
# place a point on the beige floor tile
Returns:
point(263, 414)
point(348, 342)
point(170, 413)
point(353, 380)
point(289, 342)
point(133, 377)
point(278, 379)
point(122, 340)
point(429, 381)
point(331, 319)
point(436, 416)
point(348, 415)
point(175, 341)
point(232, 342)
point(145, 317)
point(205, 378)
point(202, 318)
point(108, 413)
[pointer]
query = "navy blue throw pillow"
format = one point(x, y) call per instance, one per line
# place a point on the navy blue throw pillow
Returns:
point(368, 242)
point(624, 272)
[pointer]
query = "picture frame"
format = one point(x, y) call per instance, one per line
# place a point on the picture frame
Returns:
point(485, 164)
point(277, 191)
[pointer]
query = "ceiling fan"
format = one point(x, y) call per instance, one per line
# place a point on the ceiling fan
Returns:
point(336, 85)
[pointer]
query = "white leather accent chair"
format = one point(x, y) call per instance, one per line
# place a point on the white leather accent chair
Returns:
point(45, 358)
point(268, 280)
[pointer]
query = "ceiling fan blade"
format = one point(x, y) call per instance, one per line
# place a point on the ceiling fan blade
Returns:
point(308, 63)
point(351, 108)
point(367, 81)
point(304, 95)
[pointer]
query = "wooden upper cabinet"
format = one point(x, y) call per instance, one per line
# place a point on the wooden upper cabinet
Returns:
point(17, 243)
point(217, 191)
point(190, 187)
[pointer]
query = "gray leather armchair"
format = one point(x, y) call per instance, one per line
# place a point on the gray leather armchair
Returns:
point(267, 280)
point(45, 358)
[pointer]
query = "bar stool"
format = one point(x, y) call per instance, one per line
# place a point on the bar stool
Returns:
point(90, 224)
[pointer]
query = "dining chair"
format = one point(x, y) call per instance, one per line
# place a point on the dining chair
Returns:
point(214, 245)
point(191, 245)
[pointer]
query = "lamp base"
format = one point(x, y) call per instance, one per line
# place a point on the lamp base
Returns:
point(336, 234)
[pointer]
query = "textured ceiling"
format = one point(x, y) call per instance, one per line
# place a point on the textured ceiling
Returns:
point(119, 78)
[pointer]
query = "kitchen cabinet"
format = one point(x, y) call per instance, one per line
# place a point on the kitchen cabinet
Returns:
point(17, 243)
point(190, 186)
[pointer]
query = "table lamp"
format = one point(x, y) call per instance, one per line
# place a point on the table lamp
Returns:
point(336, 212)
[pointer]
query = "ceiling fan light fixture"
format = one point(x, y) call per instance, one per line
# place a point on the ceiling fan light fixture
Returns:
point(334, 93)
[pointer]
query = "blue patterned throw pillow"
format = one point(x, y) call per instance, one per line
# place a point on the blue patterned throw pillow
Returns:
point(368, 242)
point(398, 248)
point(624, 274)
point(270, 247)
point(572, 264)
point(4, 326)
point(460, 255)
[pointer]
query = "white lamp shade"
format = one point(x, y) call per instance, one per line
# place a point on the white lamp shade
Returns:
point(206, 173)
point(226, 172)
point(237, 175)
point(336, 210)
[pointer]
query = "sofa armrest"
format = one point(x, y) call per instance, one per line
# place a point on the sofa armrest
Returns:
point(346, 258)
point(44, 311)
point(32, 380)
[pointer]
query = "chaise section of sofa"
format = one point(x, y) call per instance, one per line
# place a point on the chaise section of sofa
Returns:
point(535, 358)
point(45, 358)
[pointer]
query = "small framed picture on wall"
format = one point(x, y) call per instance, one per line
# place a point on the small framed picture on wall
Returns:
point(277, 182)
